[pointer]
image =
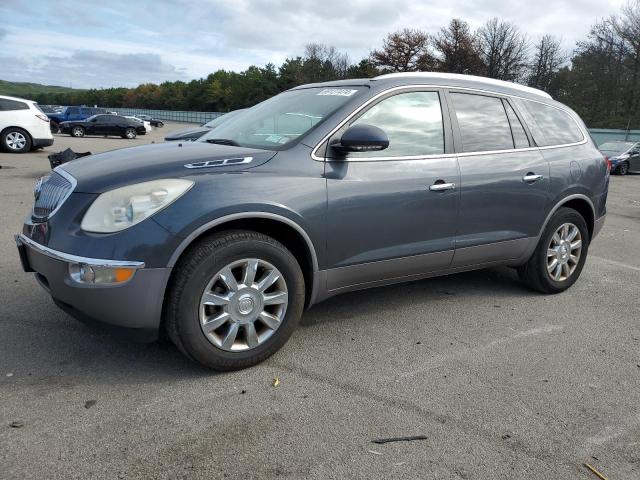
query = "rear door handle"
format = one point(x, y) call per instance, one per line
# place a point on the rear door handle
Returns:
point(531, 177)
point(441, 187)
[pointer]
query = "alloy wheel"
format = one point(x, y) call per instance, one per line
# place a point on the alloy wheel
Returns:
point(563, 252)
point(16, 140)
point(77, 132)
point(243, 305)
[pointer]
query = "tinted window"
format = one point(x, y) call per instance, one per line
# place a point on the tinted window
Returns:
point(104, 119)
point(483, 123)
point(412, 121)
point(73, 111)
point(7, 105)
point(520, 139)
point(554, 126)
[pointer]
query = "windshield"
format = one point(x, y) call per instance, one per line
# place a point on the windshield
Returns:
point(216, 122)
point(281, 120)
point(616, 147)
point(91, 118)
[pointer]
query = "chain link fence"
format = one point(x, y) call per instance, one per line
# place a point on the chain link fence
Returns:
point(602, 135)
point(170, 115)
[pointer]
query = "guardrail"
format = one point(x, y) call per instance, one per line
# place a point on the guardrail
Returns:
point(171, 115)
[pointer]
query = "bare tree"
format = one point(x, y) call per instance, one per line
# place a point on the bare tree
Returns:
point(503, 49)
point(323, 62)
point(547, 60)
point(457, 49)
point(628, 28)
point(404, 51)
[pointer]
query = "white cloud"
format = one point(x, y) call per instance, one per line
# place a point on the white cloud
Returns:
point(189, 39)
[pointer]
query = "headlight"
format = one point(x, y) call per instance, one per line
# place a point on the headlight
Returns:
point(123, 207)
point(624, 156)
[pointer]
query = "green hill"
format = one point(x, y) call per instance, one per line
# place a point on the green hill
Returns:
point(32, 91)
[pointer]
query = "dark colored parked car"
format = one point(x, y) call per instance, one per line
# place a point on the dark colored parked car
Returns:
point(72, 114)
point(154, 122)
point(104, 125)
point(194, 133)
point(321, 190)
point(624, 156)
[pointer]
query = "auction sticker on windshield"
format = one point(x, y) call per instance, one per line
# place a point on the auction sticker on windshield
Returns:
point(338, 92)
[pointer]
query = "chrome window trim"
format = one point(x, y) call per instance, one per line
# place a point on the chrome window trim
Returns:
point(69, 258)
point(74, 183)
point(442, 155)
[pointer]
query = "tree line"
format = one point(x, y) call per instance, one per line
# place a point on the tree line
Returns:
point(600, 78)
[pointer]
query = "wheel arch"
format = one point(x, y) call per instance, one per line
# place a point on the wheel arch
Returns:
point(283, 229)
point(580, 203)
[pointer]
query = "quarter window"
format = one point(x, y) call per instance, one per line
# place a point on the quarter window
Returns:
point(7, 105)
point(483, 123)
point(412, 121)
point(553, 126)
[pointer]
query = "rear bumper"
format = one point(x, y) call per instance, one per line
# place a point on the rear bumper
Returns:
point(598, 224)
point(42, 142)
point(132, 309)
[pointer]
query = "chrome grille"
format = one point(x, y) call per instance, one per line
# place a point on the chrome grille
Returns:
point(50, 193)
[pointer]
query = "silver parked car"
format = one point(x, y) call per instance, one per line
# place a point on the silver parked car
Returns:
point(324, 189)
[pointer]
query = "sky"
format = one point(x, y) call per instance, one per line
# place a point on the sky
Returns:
point(97, 44)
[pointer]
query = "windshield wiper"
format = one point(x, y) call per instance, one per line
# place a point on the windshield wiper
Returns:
point(222, 141)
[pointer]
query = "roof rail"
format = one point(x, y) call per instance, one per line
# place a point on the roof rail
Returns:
point(457, 76)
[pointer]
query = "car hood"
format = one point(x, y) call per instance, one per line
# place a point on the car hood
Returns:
point(187, 133)
point(109, 170)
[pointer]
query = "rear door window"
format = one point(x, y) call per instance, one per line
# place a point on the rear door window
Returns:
point(553, 126)
point(412, 121)
point(483, 123)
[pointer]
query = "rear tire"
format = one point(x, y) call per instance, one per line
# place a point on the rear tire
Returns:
point(538, 272)
point(204, 269)
point(623, 168)
point(15, 140)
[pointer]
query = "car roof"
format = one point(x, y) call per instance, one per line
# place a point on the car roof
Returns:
point(452, 80)
point(18, 99)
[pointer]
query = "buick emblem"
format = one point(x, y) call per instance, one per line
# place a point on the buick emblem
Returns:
point(37, 190)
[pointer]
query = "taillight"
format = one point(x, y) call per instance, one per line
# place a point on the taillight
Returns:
point(608, 162)
point(44, 118)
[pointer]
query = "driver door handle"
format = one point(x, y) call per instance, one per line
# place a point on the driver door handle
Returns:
point(531, 177)
point(441, 187)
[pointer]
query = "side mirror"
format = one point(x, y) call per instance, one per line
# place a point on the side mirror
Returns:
point(362, 138)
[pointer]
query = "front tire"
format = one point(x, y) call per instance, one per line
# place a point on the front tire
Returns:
point(560, 254)
point(77, 132)
point(130, 133)
point(15, 140)
point(235, 299)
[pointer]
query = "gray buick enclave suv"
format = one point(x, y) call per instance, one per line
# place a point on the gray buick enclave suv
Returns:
point(323, 189)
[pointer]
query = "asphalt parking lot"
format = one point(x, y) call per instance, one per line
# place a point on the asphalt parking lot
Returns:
point(504, 383)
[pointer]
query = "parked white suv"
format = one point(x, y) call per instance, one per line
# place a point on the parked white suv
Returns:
point(23, 126)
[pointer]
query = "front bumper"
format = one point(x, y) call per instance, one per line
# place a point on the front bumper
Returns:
point(133, 308)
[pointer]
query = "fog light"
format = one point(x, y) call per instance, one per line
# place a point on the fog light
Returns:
point(93, 274)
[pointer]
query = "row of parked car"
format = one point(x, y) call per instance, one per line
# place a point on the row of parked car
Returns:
point(26, 126)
